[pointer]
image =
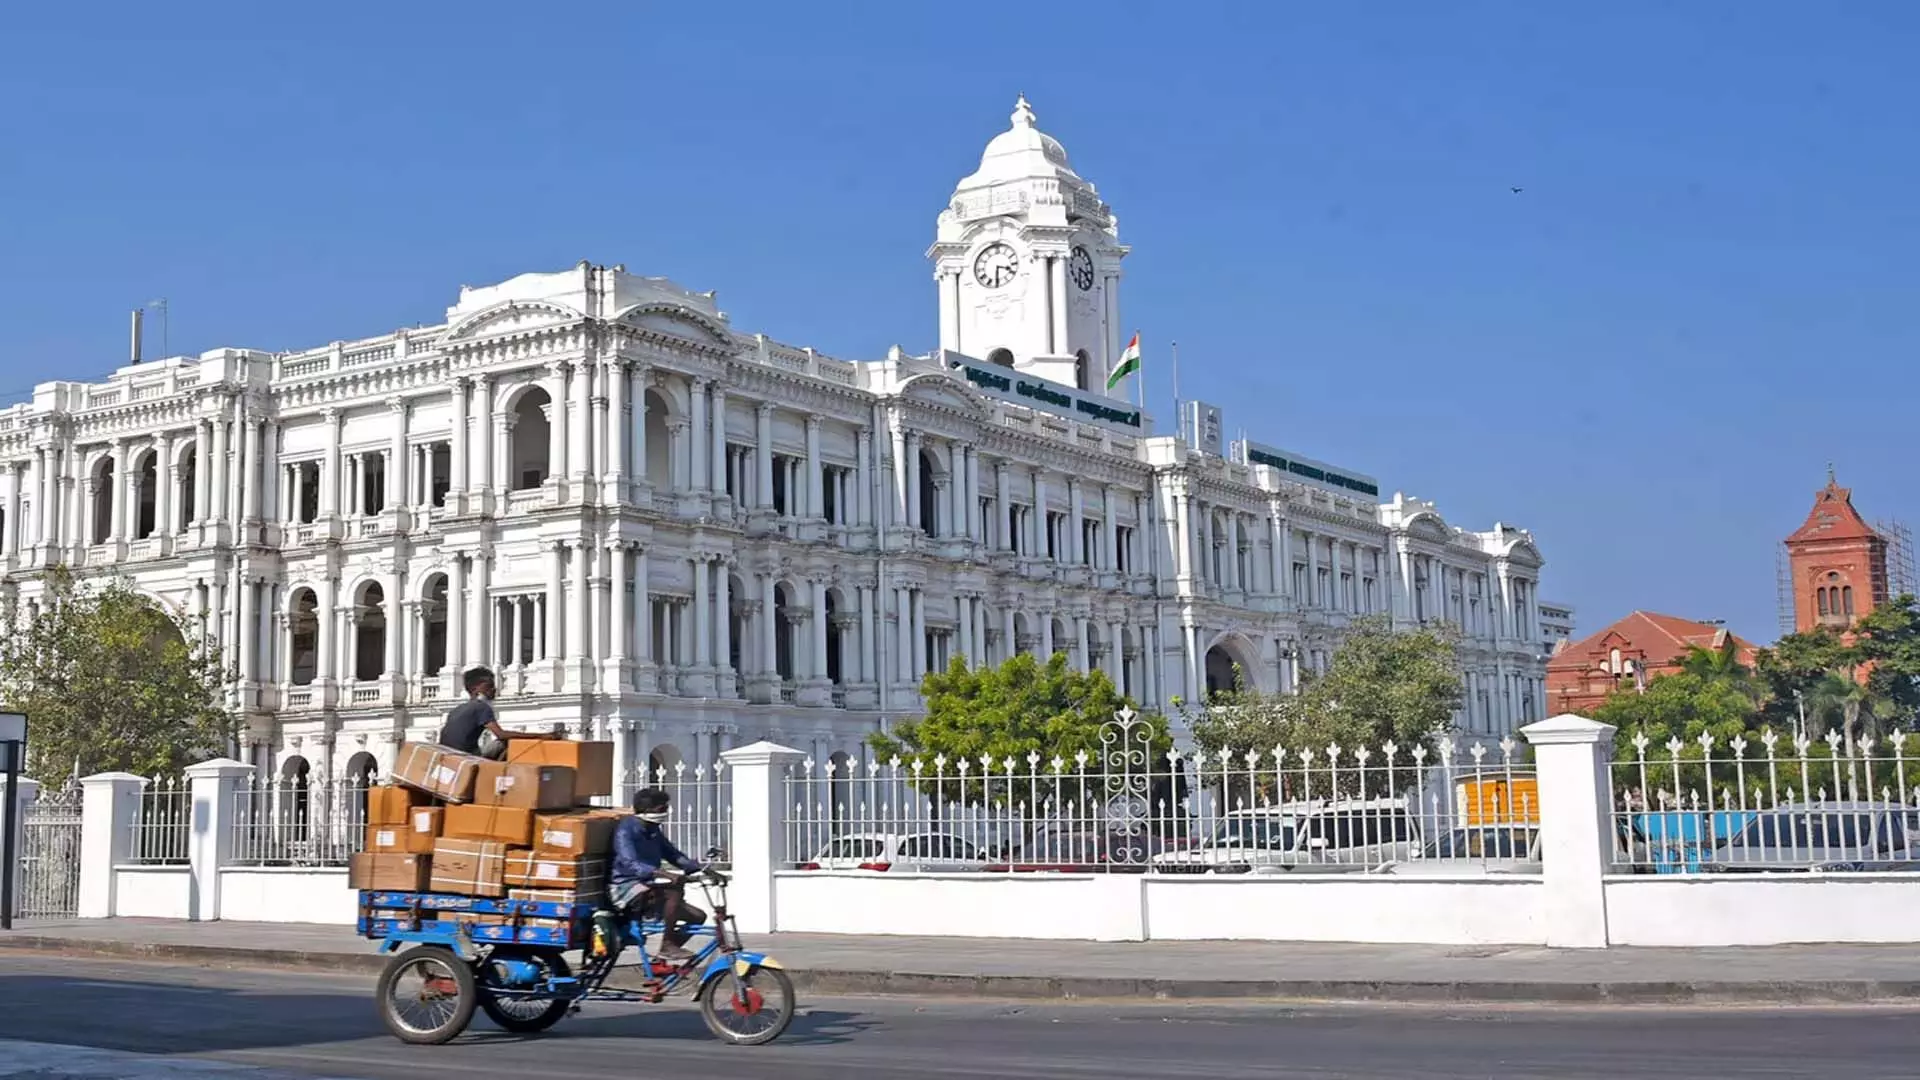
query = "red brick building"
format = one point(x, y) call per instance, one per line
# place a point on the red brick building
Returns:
point(1838, 563)
point(1627, 654)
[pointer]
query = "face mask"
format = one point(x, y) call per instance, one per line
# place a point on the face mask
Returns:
point(657, 818)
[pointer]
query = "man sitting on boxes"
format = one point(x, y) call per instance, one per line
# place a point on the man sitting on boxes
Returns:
point(642, 852)
point(471, 727)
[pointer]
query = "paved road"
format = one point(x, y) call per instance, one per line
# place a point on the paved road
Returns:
point(324, 1026)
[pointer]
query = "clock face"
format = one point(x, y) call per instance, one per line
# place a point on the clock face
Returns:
point(996, 265)
point(1081, 266)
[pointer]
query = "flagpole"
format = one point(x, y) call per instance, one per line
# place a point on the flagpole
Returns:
point(1179, 421)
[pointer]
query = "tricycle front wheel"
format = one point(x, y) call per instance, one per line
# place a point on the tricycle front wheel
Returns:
point(748, 1009)
point(427, 995)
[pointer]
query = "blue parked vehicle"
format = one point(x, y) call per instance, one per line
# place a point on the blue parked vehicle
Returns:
point(507, 958)
point(1682, 841)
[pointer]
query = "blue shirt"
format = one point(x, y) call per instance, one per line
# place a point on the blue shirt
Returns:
point(640, 848)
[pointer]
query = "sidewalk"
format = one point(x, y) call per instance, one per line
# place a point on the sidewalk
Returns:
point(1801, 974)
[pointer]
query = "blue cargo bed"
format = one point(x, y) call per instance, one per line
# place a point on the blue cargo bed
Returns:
point(384, 914)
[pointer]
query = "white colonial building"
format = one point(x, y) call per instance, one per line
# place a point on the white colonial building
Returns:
point(669, 532)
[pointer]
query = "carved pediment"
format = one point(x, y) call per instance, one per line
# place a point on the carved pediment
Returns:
point(1523, 553)
point(511, 316)
point(1429, 527)
point(942, 391)
point(676, 320)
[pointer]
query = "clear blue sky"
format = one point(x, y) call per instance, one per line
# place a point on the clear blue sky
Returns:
point(1707, 289)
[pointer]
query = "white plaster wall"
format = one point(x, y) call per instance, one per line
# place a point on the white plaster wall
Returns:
point(288, 895)
point(152, 892)
point(1379, 910)
point(1091, 907)
point(1136, 907)
point(1687, 910)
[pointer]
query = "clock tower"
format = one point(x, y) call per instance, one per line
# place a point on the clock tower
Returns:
point(1027, 259)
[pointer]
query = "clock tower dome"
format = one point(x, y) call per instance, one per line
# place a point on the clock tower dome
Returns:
point(1027, 259)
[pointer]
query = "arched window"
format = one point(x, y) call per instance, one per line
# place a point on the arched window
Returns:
point(1082, 370)
point(1846, 599)
point(1820, 595)
point(1002, 357)
point(103, 497)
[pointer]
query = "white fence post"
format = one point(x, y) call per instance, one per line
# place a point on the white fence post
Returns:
point(109, 810)
point(1571, 754)
point(213, 786)
point(14, 819)
point(759, 828)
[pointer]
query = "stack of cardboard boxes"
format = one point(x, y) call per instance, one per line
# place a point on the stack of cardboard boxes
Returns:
point(522, 828)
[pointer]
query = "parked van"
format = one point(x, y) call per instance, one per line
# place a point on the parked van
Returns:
point(1321, 837)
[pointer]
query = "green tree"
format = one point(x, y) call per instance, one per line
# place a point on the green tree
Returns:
point(1012, 712)
point(109, 681)
point(1789, 671)
point(1382, 686)
point(1888, 638)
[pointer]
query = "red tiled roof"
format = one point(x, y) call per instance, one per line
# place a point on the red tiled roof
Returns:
point(1660, 638)
point(1833, 517)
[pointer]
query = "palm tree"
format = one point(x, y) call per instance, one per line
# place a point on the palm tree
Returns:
point(1859, 709)
point(1721, 663)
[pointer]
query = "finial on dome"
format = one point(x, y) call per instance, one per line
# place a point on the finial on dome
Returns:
point(1830, 479)
point(1023, 113)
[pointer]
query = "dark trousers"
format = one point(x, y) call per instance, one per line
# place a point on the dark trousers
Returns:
point(668, 904)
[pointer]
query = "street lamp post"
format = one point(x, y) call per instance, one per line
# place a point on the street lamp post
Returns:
point(13, 758)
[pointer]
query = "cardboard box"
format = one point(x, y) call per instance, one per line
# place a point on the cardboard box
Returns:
point(573, 834)
point(426, 820)
point(526, 869)
point(509, 825)
point(391, 804)
point(524, 785)
point(396, 839)
point(591, 762)
point(593, 892)
point(438, 771)
point(470, 867)
point(389, 871)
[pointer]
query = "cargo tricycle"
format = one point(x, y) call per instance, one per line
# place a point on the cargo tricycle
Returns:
point(507, 958)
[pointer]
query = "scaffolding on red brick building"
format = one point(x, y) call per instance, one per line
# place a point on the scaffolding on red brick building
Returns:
point(1899, 580)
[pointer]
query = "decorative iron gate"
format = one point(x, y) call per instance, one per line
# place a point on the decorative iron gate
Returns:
point(50, 857)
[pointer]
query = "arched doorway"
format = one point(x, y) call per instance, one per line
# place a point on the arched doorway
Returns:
point(103, 497)
point(189, 484)
point(929, 494)
point(433, 613)
point(303, 634)
point(529, 441)
point(783, 631)
point(146, 502)
point(1227, 669)
point(1000, 358)
point(836, 632)
point(370, 633)
point(659, 441)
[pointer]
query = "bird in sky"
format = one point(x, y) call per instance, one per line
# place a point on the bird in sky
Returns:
point(1517, 191)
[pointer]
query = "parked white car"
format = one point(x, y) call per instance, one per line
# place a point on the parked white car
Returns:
point(930, 853)
point(1348, 836)
point(1475, 851)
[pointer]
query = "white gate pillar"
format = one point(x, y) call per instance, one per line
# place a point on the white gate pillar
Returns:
point(213, 787)
point(759, 829)
point(109, 810)
point(1571, 754)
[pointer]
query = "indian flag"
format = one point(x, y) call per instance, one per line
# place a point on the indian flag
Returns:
point(1129, 362)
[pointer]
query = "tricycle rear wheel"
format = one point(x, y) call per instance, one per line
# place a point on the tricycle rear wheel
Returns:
point(525, 1015)
point(749, 1009)
point(436, 982)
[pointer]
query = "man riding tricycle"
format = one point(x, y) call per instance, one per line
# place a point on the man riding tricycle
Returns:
point(454, 954)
